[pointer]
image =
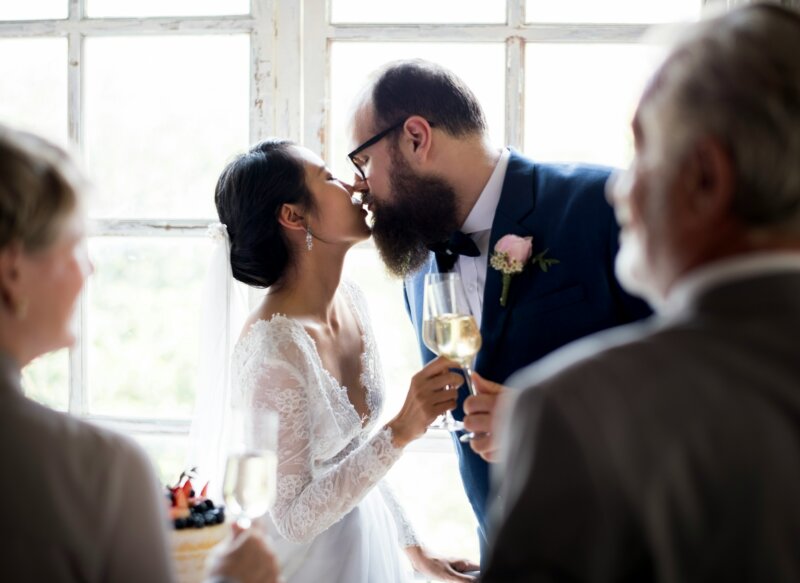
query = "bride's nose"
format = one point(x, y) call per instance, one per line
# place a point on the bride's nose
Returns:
point(355, 195)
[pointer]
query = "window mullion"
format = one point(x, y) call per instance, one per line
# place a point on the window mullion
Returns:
point(515, 13)
point(315, 76)
point(262, 71)
point(515, 92)
point(288, 61)
point(78, 394)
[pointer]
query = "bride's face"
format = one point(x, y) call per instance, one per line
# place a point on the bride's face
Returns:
point(335, 219)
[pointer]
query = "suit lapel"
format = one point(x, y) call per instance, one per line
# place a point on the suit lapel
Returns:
point(515, 205)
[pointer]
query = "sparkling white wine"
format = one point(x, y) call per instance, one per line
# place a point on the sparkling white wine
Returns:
point(457, 337)
point(250, 480)
point(429, 335)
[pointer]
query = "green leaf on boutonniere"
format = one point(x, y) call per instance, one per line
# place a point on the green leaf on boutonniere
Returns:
point(543, 262)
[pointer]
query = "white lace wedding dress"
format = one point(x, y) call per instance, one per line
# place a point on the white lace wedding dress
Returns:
point(335, 518)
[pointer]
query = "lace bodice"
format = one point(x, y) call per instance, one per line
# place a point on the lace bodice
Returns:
point(327, 458)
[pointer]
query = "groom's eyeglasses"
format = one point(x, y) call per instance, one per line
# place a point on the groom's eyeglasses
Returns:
point(358, 162)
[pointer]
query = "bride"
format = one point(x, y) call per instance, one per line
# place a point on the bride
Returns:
point(308, 352)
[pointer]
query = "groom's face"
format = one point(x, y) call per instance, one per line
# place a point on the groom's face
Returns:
point(409, 211)
point(418, 211)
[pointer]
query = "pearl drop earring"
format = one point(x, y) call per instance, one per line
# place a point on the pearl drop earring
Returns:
point(309, 239)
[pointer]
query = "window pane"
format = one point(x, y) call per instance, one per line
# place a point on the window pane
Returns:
point(46, 380)
point(145, 304)
point(163, 115)
point(33, 93)
point(607, 11)
point(444, 11)
point(121, 8)
point(38, 10)
point(394, 334)
point(429, 487)
point(580, 99)
point(167, 453)
point(481, 66)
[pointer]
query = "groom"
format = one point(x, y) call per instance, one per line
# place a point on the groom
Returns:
point(442, 197)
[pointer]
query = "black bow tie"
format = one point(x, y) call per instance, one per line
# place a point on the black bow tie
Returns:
point(447, 252)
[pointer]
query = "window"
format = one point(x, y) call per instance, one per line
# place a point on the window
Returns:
point(156, 95)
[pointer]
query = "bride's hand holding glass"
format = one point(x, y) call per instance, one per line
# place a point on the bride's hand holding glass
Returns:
point(427, 398)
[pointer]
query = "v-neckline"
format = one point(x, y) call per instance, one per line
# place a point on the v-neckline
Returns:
point(343, 389)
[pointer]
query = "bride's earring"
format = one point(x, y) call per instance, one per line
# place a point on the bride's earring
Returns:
point(309, 239)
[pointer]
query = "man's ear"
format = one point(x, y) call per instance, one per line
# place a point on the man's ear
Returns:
point(291, 217)
point(10, 256)
point(418, 135)
point(709, 181)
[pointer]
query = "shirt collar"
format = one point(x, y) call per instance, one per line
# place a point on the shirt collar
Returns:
point(702, 279)
point(481, 216)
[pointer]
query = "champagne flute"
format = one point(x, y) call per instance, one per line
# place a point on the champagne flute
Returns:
point(446, 420)
point(454, 331)
point(251, 470)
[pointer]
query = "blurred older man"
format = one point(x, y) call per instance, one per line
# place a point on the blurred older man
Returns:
point(670, 450)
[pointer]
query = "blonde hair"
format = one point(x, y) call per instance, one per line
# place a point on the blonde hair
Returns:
point(40, 186)
point(737, 78)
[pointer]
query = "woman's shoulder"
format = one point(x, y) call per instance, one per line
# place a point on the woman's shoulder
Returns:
point(270, 335)
point(93, 452)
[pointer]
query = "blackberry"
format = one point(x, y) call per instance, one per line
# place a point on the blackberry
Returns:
point(211, 517)
point(179, 523)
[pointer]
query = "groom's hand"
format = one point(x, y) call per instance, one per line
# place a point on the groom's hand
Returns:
point(479, 416)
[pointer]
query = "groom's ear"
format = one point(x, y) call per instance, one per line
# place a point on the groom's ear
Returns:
point(291, 217)
point(418, 134)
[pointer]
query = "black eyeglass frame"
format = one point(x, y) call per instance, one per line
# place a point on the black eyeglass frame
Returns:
point(372, 141)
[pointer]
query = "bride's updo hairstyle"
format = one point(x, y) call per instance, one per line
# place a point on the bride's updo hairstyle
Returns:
point(249, 195)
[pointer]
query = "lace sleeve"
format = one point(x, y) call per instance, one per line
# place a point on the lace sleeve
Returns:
point(308, 501)
point(406, 536)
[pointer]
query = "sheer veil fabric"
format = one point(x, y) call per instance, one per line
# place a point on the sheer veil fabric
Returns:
point(225, 310)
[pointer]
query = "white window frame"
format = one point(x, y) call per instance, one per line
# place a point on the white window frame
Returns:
point(289, 97)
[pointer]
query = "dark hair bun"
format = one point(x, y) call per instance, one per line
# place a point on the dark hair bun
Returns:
point(250, 192)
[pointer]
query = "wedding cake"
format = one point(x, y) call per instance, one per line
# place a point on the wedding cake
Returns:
point(198, 527)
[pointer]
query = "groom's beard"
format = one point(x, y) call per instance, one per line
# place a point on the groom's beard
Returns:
point(422, 211)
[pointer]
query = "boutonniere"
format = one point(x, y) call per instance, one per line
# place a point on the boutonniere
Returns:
point(510, 256)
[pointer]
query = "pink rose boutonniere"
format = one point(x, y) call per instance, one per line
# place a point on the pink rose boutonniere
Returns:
point(510, 256)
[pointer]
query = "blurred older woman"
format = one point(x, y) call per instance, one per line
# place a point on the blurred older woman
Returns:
point(78, 503)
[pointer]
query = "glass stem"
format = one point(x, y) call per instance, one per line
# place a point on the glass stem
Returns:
point(468, 378)
point(467, 437)
point(243, 522)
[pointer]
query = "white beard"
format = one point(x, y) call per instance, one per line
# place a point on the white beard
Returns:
point(633, 273)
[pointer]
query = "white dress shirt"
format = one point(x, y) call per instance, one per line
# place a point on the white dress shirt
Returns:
point(479, 227)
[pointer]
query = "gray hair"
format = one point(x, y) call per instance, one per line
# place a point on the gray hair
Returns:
point(40, 186)
point(737, 78)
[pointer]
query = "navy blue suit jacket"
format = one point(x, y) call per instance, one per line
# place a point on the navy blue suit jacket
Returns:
point(565, 210)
